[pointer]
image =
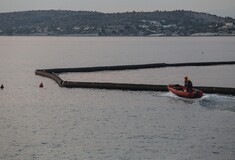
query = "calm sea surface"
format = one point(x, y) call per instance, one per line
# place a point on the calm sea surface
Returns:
point(54, 123)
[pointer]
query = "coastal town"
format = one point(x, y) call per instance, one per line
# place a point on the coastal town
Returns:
point(84, 23)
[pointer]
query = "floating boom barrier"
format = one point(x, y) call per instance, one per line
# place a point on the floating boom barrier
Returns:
point(133, 67)
point(53, 74)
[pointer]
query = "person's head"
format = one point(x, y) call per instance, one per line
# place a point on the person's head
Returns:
point(185, 78)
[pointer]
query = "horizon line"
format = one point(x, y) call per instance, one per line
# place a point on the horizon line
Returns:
point(113, 12)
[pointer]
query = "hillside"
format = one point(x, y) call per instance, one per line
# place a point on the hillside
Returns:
point(161, 23)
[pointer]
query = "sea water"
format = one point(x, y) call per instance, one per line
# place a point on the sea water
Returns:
point(54, 123)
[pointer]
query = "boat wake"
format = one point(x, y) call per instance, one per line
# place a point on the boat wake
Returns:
point(169, 94)
point(209, 101)
point(220, 102)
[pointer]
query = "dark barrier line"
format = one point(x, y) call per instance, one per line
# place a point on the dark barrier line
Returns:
point(105, 68)
point(50, 73)
point(219, 90)
point(114, 86)
point(125, 86)
point(130, 67)
point(200, 64)
point(56, 78)
point(141, 87)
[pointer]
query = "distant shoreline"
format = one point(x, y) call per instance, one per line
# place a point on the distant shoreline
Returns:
point(132, 24)
point(232, 35)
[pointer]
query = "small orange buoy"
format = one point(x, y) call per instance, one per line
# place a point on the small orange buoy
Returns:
point(2, 86)
point(41, 85)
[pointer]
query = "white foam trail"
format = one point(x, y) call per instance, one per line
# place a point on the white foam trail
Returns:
point(221, 102)
point(217, 96)
point(169, 94)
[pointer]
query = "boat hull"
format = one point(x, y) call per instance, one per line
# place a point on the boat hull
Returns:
point(181, 91)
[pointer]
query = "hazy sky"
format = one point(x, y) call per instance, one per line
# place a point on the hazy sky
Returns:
point(219, 7)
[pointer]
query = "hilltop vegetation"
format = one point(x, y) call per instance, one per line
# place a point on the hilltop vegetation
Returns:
point(164, 23)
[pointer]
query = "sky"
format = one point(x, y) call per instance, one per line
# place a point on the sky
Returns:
point(218, 7)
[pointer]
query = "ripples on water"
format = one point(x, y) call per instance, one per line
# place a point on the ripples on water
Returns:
point(54, 123)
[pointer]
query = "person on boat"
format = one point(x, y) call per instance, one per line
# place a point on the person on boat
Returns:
point(186, 81)
point(188, 84)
